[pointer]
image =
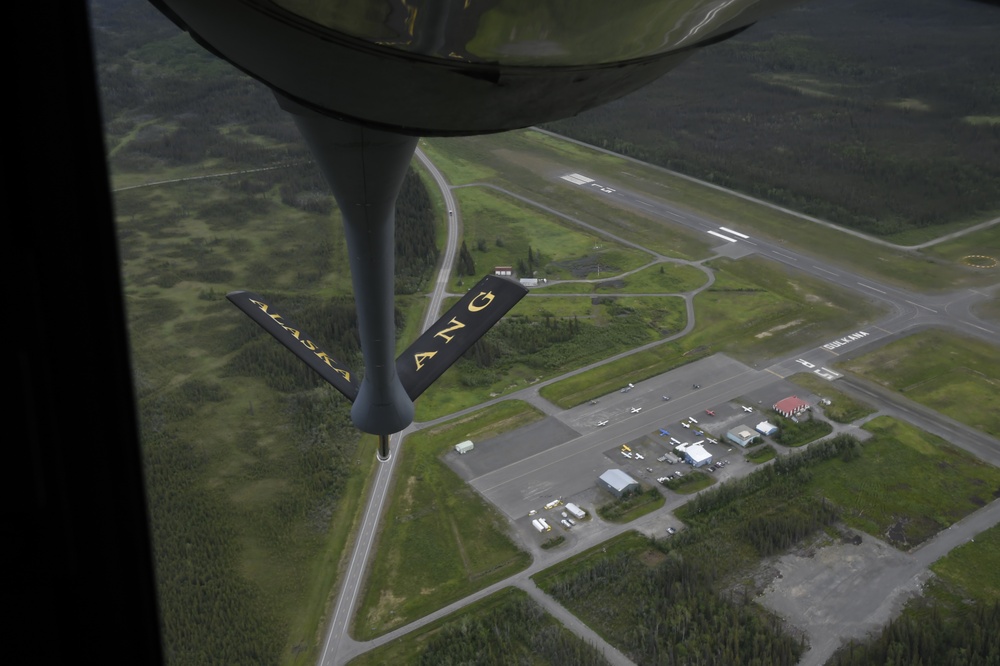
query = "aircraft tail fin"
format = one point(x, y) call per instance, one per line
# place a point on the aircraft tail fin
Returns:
point(453, 334)
point(301, 344)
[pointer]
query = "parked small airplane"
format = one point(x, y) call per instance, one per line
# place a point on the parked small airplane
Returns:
point(747, 409)
point(664, 432)
point(699, 432)
point(639, 456)
point(714, 441)
point(675, 441)
point(686, 425)
point(601, 423)
point(692, 419)
point(666, 397)
point(636, 410)
point(627, 454)
point(625, 447)
point(710, 412)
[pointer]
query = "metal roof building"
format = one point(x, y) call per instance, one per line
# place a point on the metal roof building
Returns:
point(697, 455)
point(766, 428)
point(791, 406)
point(741, 434)
point(617, 482)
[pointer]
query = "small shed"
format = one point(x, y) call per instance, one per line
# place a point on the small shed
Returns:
point(766, 428)
point(464, 447)
point(577, 512)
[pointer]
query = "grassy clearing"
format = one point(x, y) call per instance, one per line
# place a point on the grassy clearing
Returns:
point(664, 278)
point(909, 486)
point(441, 541)
point(610, 377)
point(805, 431)
point(607, 327)
point(955, 375)
point(761, 454)
point(842, 408)
point(974, 566)
point(531, 163)
point(499, 231)
point(690, 483)
point(984, 242)
point(635, 505)
point(754, 310)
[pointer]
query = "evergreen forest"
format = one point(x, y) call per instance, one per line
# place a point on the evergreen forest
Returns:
point(879, 115)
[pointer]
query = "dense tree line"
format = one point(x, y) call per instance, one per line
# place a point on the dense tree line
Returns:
point(862, 113)
point(672, 614)
point(416, 253)
point(969, 636)
point(510, 634)
point(735, 490)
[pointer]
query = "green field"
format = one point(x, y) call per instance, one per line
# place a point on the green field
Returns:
point(761, 454)
point(908, 485)
point(501, 628)
point(952, 374)
point(753, 310)
point(546, 337)
point(440, 540)
point(500, 231)
point(636, 505)
point(974, 566)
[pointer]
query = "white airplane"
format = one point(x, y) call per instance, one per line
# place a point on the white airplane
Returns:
point(639, 456)
point(627, 454)
point(747, 409)
point(692, 419)
point(686, 425)
point(636, 410)
point(601, 423)
point(714, 441)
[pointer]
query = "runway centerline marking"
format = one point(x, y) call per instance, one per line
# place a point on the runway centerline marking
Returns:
point(921, 306)
point(868, 286)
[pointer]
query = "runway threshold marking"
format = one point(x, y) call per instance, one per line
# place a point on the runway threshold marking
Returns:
point(735, 233)
point(577, 179)
point(716, 233)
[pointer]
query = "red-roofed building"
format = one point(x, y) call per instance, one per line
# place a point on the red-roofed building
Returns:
point(791, 406)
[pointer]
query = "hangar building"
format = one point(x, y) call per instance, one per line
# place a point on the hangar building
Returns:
point(791, 406)
point(697, 455)
point(617, 482)
point(741, 434)
point(766, 428)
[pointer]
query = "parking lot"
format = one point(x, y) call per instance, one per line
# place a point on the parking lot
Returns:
point(562, 456)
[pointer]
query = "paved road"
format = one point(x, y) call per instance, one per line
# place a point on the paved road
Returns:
point(518, 485)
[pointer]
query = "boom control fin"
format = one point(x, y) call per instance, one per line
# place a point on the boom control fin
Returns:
point(272, 320)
